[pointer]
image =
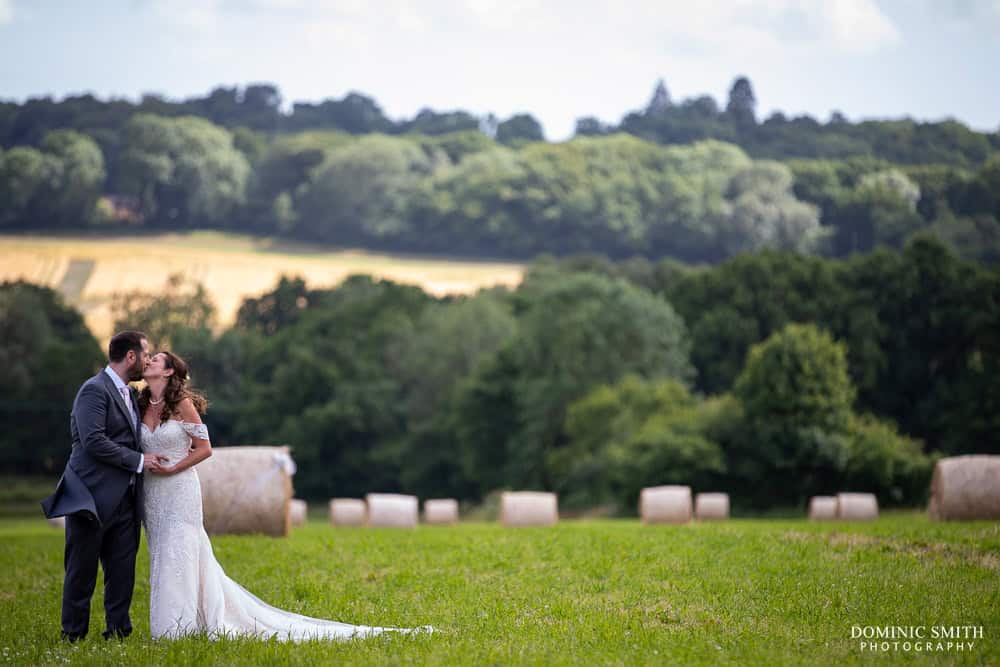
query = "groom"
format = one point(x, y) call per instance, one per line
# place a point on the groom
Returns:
point(100, 491)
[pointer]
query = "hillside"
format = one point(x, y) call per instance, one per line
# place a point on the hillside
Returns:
point(89, 270)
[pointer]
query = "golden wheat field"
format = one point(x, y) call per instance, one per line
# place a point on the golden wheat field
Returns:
point(88, 271)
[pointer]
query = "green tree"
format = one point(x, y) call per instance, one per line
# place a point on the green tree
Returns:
point(633, 434)
point(574, 332)
point(762, 212)
point(47, 352)
point(324, 387)
point(882, 461)
point(25, 175)
point(519, 128)
point(742, 105)
point(881, 210)
point(181, 308)
point(70, 198)
point(449, 342)
point(430, 122)
point(271, 312)
point(362, 192)
point(185, 171)
point(744, 300)
point(797, 399)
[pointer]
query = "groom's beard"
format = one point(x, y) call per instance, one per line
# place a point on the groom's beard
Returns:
point(135, 371)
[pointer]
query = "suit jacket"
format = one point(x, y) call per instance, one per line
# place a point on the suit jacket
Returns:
point(105, 454)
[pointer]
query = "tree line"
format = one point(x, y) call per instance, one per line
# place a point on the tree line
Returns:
point(258, 108)
point(772, 376)
point(461, 192)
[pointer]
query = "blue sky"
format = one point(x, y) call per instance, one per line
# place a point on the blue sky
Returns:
point(556, 59)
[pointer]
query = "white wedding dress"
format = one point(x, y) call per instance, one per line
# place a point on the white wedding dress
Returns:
point(189, 592)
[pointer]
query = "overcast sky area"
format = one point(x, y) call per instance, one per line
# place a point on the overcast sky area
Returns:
point(555, 59)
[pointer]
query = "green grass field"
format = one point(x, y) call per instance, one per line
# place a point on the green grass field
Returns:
point(747, 591)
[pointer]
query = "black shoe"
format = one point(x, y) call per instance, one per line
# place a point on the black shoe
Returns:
point(72, 637)
point(120, 633)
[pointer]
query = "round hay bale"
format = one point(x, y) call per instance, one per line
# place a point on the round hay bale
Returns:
point(297, 510)
point(665, 504)
point(823, 508)
point(708, 506)
point(348, 512)
point(965, 488)
point(58, 522)
point(857, 506)
point(392, 510)
point(528, 508)
point(246, 490)
point(441, 510)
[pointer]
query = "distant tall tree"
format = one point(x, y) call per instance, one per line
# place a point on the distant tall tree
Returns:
point(660, 101)
point(428, 121)
point(356, 113)
point(742, 104)
point(838, 118)
point(590, 126)
point(520, 127)
point(260, 107)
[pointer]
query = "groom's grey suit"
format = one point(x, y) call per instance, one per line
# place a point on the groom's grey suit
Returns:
point(100, 496)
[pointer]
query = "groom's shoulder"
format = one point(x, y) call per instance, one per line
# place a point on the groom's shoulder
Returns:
point(94, 383)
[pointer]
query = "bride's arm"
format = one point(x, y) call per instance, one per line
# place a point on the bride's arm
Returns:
point(201, 448)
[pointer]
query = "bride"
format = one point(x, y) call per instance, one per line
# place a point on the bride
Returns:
point(189, 592)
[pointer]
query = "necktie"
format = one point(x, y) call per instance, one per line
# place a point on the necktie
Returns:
point(128, 400)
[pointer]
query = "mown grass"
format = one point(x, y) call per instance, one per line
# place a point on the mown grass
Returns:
point(746, 591)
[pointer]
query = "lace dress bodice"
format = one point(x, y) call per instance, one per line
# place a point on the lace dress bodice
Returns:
point(172, 438)
point(172, 497)
point(189, 591)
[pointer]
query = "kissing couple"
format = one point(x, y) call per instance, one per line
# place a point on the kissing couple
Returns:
point(133, 461)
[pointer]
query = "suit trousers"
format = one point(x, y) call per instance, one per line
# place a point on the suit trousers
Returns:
point(114, 544)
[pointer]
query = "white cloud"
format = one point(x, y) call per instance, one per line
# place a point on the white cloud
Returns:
point(859, 26)
point(851, 26)
point(197, 15)
point(6, 11)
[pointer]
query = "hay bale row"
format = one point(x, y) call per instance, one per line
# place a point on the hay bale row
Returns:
point(672, 503)
point(965, 488)
point(391, 510)
point(844, 507)
point(246, 490)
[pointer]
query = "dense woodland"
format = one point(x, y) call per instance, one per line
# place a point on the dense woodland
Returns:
point(772, 375)
point(691, 180)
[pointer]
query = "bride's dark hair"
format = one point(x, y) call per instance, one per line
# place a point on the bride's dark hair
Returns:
point(176, 390)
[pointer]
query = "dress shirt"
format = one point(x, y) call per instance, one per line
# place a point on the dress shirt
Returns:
point(126, 394)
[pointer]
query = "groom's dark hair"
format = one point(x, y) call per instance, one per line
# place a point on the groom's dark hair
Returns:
point(124, 341)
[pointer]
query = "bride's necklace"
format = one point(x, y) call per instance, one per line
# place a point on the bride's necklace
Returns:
point(152, 402)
